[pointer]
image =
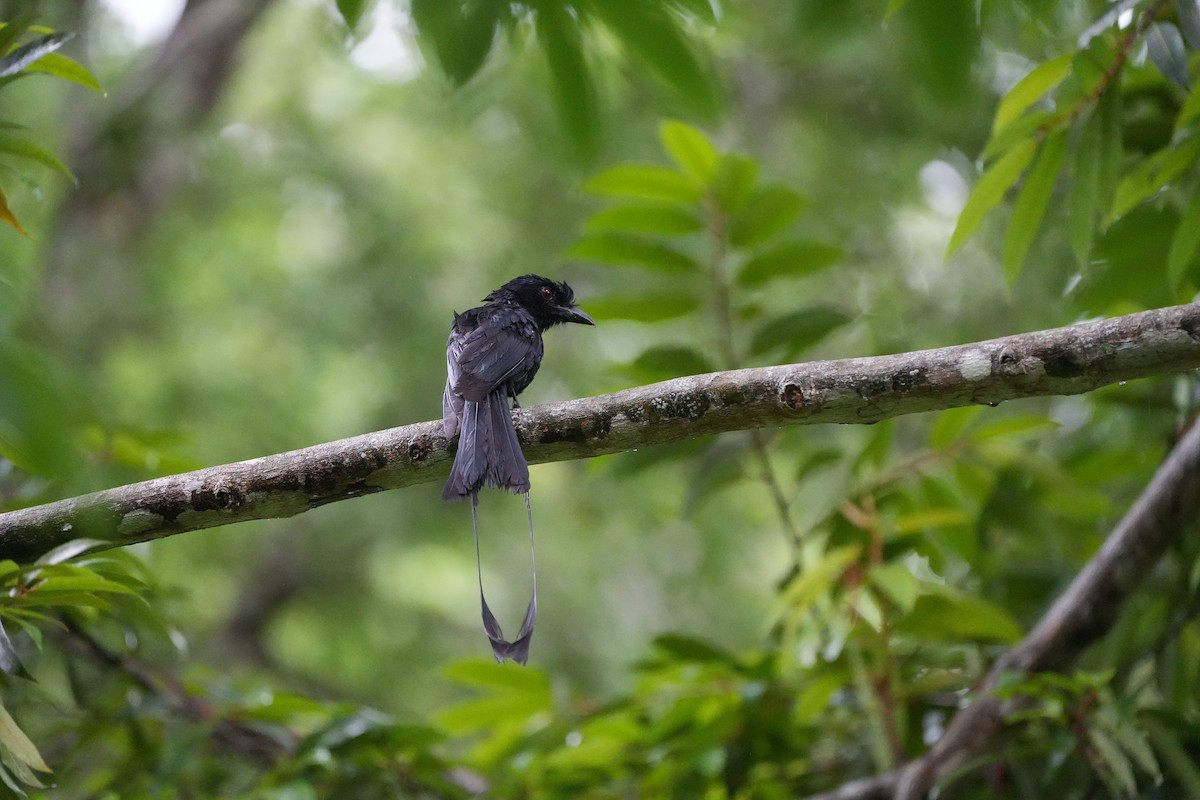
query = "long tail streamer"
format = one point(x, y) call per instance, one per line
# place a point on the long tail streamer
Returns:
point(518, 649)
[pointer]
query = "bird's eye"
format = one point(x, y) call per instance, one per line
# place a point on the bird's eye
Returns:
point(547, 293)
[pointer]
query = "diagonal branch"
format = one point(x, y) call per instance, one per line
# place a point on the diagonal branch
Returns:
point(1166, 512)
point(1071, 360)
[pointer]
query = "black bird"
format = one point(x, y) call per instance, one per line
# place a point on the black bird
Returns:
point(493, 353)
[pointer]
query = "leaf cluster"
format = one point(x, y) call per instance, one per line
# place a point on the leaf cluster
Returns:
point(1069, 127)
point(653, 35)
point(20, 59)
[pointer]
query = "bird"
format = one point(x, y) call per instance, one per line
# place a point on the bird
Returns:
point(493, 353)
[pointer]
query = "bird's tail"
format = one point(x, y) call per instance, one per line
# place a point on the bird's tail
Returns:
point(488, 450)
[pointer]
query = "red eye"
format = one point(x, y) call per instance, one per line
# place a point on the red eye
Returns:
point(547, 293)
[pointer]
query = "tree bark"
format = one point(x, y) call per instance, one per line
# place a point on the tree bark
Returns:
point(1064, 361)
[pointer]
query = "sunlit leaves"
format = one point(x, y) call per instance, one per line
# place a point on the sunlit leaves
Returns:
point(645, 181)
point(690, 149)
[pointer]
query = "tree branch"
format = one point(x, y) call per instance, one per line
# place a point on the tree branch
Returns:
point(1166, 512)
point(1071, 360)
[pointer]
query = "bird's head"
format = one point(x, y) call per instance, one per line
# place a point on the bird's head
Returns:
point(550, 302)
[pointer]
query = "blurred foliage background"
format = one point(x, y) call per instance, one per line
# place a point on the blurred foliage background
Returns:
point(268, 230)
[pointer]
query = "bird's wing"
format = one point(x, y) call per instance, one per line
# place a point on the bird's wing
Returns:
point(481, 359)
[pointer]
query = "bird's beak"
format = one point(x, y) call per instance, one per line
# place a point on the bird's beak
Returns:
point(575, 315)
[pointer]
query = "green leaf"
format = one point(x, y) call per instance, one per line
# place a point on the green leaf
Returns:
point(1118, 776)
point(654, 35)
point(788, 259)
point(1174, 754)
point(26, 54)
point(920, 521)
point(689, 648)
point(798, 330)
point(1189, 112)
point(571, 81)
point(814, 582)
point(13, 30)
point(68, 69)
point(17, 743)
point(946, 614)
point(89, 582)
point(645, 181)
point(1031, 204)
point(513, 696)
point(1184, 244)
point(1189, 21)
point(1007, 427)
point(1111, 109)
point(461, 32)
point(816, 694)
point(622, 249)
point(767, 212)
point(897, 582)
point(10, 664)
point(690, 149)
point(666, 220)
point(662, 362)
point(1026, 127)
point(24, 148)
point(65, 552)
point(990, 190)
point(734, 181)
point(1134, 741)
point(1083, 202)
point(1164, 45)
point(700, 9)
point(950, 425)
point(1030, 89)
point(351, 11)
point(1153, 174)
point(643, 308)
